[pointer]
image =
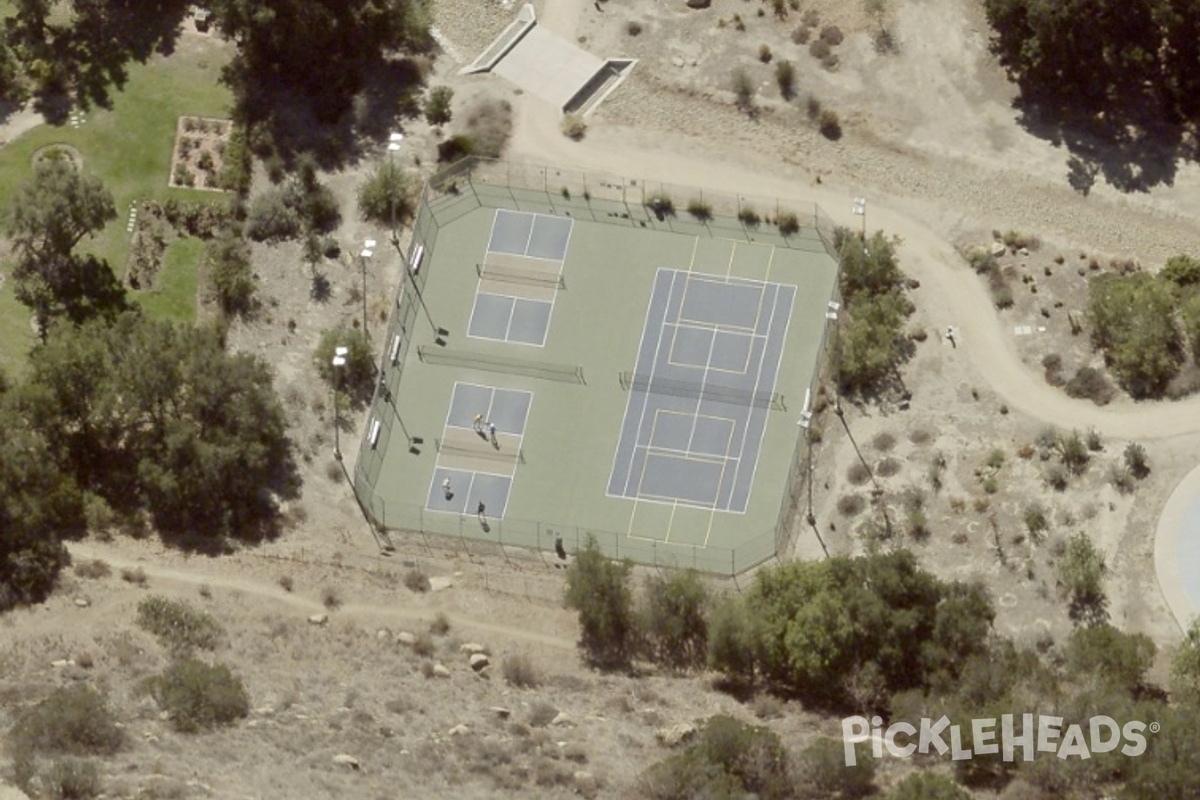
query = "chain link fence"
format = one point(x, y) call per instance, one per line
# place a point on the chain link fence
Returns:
point(594, 197)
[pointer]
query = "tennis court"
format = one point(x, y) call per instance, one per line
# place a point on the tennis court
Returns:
point(701, 390)
point(519, 277)
point(662, 362)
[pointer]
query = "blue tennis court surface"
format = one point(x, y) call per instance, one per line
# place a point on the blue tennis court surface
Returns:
point(520, 233)
point(701, 390)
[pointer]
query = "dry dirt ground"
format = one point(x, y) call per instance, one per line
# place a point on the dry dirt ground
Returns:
point(931, 139)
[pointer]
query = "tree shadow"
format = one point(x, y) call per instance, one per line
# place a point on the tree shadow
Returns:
point(321, 289)
point(1131, 145)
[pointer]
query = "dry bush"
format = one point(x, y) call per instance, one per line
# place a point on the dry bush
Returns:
point(93, 569)
point(286, 583)
point(177, 625)
point(75, 720)
point(1093, 384)
point(541, 714)
point(888, 467)
point(574, 126)
point(850, 504)
point(883, 441)
point(135, 576)
point(767, 706)
point(519, 671)
point(416, 581)
point(331, 598)
point(575, 752)
point(832, 35)
point(919, 436)
point(489, 123)
point(829, 124)
point(196, 695)
point(858, 473)
point(1026, 451)
point(440, 625)
point(424, 646)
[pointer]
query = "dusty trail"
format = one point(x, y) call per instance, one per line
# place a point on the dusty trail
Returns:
point(947, 284)
point(360, 611)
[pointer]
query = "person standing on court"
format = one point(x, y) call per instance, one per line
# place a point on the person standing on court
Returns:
point(478, 423)
point(446, 489)
point(481, 509)
point(492, 433)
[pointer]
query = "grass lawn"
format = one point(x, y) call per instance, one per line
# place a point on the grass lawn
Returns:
point(175, 295)
point(129, 147)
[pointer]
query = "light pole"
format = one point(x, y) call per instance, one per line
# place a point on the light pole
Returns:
point(393, 145)
point(367, 251)
point(860, 208)
point(339, 361)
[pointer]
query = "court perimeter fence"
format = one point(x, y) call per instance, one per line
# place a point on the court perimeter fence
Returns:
point(476, 183)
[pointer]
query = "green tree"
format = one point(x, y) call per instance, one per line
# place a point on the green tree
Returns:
point(598, 589)
point(356, 378)
point(1185, 663)
point(277, 40)
point(824, 774)
point(869, 267)
point(437, 105)
point(48, 216)
point(1189, 317)
point(729, 760)
point(870, 342)
point(386, 197)
point(674, 620)
point(733, 641)
point(1108, 657)
point(928, 786)
point(1171, 762)
point(227, 259)
point(39, 505)
point(1132, 320)
point(1182, 270)
point(1081, 576)
point(159, 417)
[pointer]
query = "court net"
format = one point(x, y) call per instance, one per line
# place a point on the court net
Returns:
point(529, 277)
point(654, 384)
point(510, 365)
point(482, 450)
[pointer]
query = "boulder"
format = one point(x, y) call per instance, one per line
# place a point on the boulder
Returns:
point(82, 602)
point(440, 671)
point(459, 730)
point(699, 3)
point(471, 648)
point(501, 712)
point(585, 783)
point(318, 619)
point(998, 249)
point(440, 582)
point(343, 760)
point(562, 718)
point(404, 637)
point(478, 661)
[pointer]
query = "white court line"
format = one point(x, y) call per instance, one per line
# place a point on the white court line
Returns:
point(686, 455)
point(715, 327)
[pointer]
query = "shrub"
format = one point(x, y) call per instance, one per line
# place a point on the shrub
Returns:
point(1073, 452)
point(829, 125)
point(883, 441)
point(858, 473)
point(662, 205)
point(455, 148)
point(75, 720)
point(1091, 383)
point(1136, 459)
point(72, 778)
point(416, 581)
point(789, 223)
point(832, 35)
point(1036, 521)
point(574, 126)
point(330, 597)
point(748, 217)
point(888, 467)
point(196, 695)
point(801, 34)
point(1057, 477)
point(729, 759)
point(812, 107)
point(271, 217)
point(819, 49)
point(633, 27)
point(1121, 478)
point(520, 672)
point(733, 641)
point(598, 590)
point(386, 197)
point(700, 210)
point(136, 576)
point(229, 273)
point(440, 625)
point(437, 105)
point(1094, 442)
point(743, 89)
point(542, 714)
point(850, 504)
point(93, 569)
point(424, 645)
point(785, 77)
point(286, 583)
point(177, 625)
point(825, 774)
point(357, 376)
point(764, 54)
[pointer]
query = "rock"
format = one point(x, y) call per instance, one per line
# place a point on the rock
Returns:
point(62, 662)
point(478, 661)
point(265, 711)
point(82, 602)
point(501, 712)
point(459, 730)
point(676, 734)
point(343, 760)
point(1024, 252)
point(440, 671)
point(562, 718)
point(404, 637)
point(998, 249)
point(677, 61)
point(318, 619)
point(381, 634)
point(699, 3)
point(471, 648)
point(440, 582)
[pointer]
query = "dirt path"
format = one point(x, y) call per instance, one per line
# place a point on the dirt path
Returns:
point(946, 282)
point(360, 611)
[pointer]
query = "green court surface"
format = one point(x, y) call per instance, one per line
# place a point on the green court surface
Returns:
point(560, 475)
